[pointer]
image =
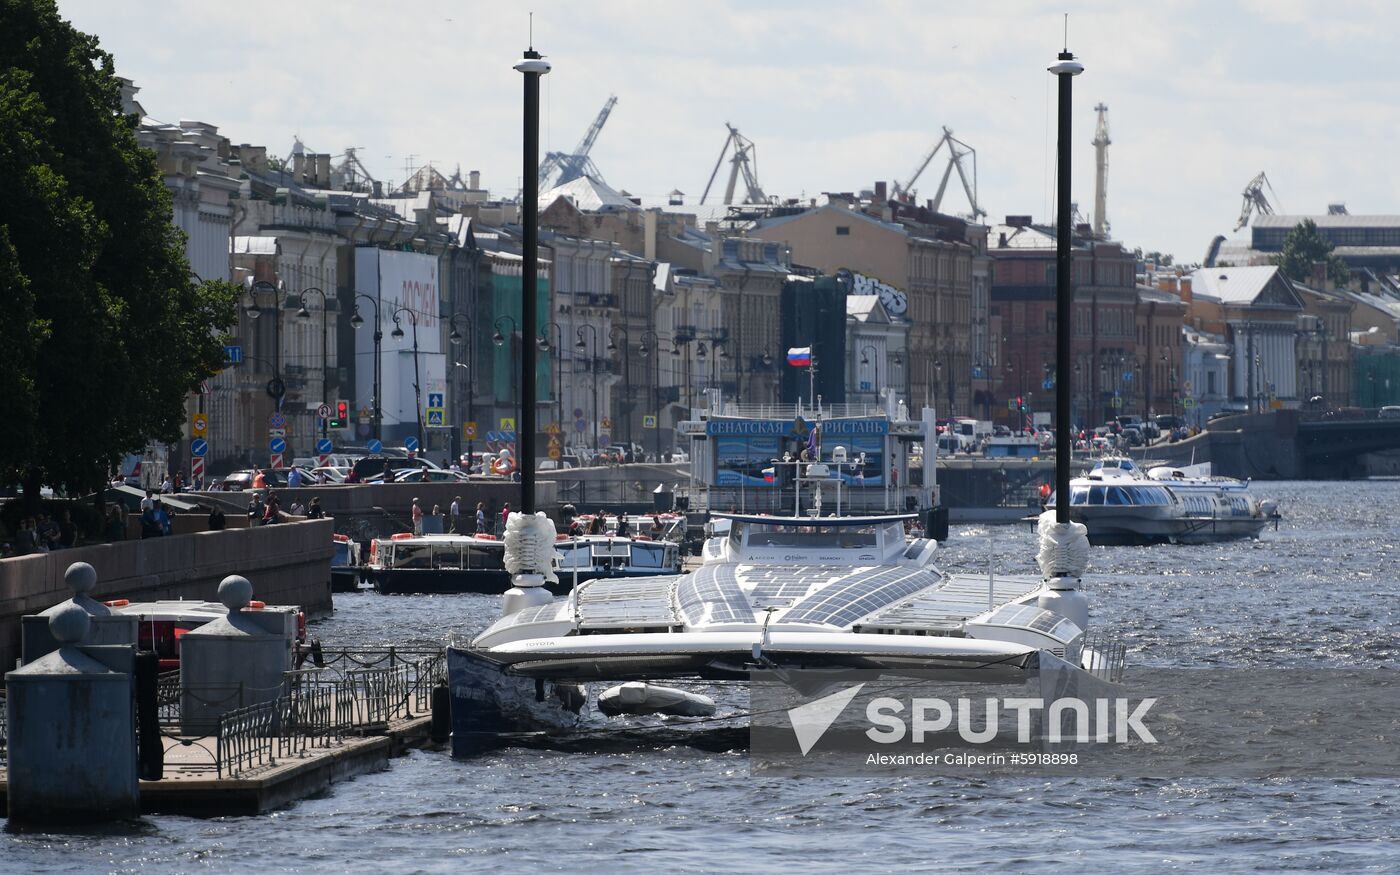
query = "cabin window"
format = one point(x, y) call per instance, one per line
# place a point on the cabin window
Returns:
point(412, 556)
point(1096, 494)
point(447, 556)
point(648, 555)
point(492, 560)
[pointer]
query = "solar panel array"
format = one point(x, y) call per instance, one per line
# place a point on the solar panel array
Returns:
point(712, 594)
point(844, 603)
point(780, 586)
point(945, 607)
point(627, 602)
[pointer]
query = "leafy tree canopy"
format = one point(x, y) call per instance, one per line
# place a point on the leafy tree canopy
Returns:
point(1302, 248)
point(105, 331)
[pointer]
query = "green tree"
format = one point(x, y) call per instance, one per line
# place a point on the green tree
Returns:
point(104, 331)
point(1303, 247)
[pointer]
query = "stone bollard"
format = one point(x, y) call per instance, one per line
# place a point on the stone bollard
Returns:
point(72, 728)
point(234, 661)
point(107, 626)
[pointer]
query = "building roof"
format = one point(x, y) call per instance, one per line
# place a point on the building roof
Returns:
point(866, 308)
point(1344, 220)
point(1020, 237)
point(776, 221)
point(589, 195)
point(1233, 285)
point(253, 245)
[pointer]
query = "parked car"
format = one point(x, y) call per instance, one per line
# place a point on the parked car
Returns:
point(1168, 421)
point(1132, 436)
point(428, 475)
point(276, 478)
point(1390, 411)
point(369, 466)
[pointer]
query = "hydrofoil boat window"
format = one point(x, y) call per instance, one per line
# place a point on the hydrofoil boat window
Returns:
point(849, 537)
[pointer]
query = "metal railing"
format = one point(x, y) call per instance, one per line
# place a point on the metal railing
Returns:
point(355, 692)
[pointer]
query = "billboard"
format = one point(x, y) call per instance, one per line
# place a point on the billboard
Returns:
point(405, 284)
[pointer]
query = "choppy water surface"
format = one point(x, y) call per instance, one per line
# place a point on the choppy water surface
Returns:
point(1319, 592)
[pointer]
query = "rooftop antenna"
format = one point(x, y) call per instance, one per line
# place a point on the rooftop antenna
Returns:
point(532, 30)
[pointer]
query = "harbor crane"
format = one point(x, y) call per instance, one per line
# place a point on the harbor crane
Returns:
point(571, 165)
point(1255, 201)
point(1101, 142)
point(957, 151)
point(745, 160)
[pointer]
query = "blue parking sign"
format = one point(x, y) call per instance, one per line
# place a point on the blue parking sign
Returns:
point(199, 447)
point(374, 446)
point(410, 443)
point(324, 446)
point(277, 445)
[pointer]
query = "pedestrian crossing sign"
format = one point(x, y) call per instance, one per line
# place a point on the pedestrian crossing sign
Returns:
point(648, 421)
point(435, 418)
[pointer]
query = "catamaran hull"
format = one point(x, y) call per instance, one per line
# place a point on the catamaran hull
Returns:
point(488, 703)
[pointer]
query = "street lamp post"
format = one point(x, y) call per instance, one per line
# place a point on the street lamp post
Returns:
point(499, 340)
point(397, 334)
point(1169, 361)
point(305, 315)
point(558, 367)
point(356, 320)
point(1010, 356)
point(865, 360)
point(644, 350)
point(592, 372)
point(276, 388)
point(455, 337)
point(626, 414)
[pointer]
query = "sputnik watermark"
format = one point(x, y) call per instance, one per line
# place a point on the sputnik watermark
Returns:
point(1119, 720)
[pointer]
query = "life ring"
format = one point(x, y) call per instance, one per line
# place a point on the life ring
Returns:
point(503, 464)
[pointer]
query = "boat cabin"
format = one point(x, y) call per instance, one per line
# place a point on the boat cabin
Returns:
point(830, 540)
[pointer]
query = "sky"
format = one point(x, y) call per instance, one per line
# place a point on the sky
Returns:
point(1201, 96)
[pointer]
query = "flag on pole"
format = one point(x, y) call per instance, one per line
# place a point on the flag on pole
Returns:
point(800, 356)
point(814, 443)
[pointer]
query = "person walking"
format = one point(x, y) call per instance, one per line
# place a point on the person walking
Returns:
point(148, 502)
point(417, 512)
point(480, 518)
point(259, 479)
point(505, 517)
point(162, 519)
point(455, 510)
point(294, 478)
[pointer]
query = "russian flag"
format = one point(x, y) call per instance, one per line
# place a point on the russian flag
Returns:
point(800, 356)
point(770, 475)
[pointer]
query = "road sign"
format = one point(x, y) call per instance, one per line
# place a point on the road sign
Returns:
point(277, 445)
point(1188, 402)
point(507, 423)
point(648, 421)
point(554, 443)
point(324, 446)
point(580, 425)
point(578, 413)
point(374, 446)
point(607, 422)
point(324, 411)
point(435, 417)
point(410, 443)
point(493, 436)
point(364, 414)
point(554, 452)
point(276, 432)
point(199, 447)
point(277, 461)
point(199, 424)
point(196, 470)
point(233, 355)
point(552, 428)
point(469, 430)
point(1186, 386)
point(277, 420)
point(604, 439)
point(434, 400)
point(1117, 402)
point(1047, 383)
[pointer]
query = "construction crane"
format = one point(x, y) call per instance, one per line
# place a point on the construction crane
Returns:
point(571, 165)
point(957, 151)
point(1255, 201)
point(1101, 142)
point(357, 177)
point(745, 160)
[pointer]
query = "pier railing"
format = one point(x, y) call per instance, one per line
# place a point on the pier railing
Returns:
point(354, 692)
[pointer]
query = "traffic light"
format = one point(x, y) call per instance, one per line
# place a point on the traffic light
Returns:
point(340, 415)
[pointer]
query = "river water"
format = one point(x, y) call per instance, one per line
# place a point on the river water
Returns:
point(1322, 591)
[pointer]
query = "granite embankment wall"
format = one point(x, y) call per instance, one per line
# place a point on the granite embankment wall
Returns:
point(288, 564)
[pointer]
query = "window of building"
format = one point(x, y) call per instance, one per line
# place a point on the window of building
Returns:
point(843, 230)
